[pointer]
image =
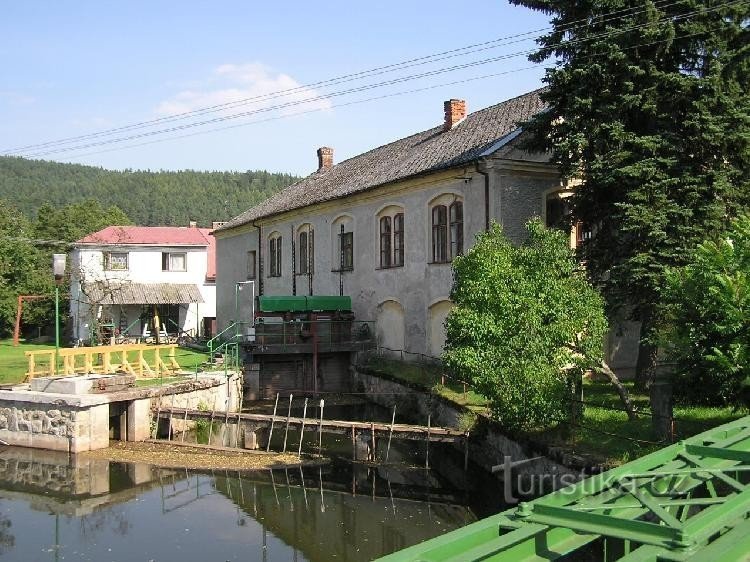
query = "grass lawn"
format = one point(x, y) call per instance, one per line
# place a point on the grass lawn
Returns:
point(604, 436)
point(14, 364)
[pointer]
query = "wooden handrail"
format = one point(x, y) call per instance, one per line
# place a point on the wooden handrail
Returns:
point(109, 359)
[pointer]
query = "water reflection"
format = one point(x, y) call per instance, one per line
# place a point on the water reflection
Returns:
point(55, 508)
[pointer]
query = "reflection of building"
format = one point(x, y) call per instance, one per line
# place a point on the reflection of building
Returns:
point(125, 277)
point(55, 482)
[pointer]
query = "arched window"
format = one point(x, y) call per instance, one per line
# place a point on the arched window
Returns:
point(274, 255)
point(391, 232)
point(447, 229)
point(306, 250)
point(439, 233)
point(342, 247)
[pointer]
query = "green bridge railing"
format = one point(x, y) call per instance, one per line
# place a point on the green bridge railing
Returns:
point(687, 502)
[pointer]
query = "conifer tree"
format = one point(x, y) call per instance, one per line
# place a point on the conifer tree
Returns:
point(649, 107)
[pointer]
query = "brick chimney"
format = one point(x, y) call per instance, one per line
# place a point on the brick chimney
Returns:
point(325, 158)
point(455, 111)
point(217, 224)
point(193, 224)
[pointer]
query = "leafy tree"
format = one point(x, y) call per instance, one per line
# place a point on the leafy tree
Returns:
point(709, 331)
point(649, 106)
point(525, 325)
point(23, 270)
point(74, 221)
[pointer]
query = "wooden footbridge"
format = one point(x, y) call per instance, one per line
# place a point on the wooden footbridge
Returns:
point(687, 502)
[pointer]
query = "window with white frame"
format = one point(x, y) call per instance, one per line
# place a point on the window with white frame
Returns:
point(173, 261)
point(391, 235)
point(116, 261)
point(447, 226)
point(274, 255)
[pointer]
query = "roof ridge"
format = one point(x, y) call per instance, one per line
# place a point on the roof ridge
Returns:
point(422, 152)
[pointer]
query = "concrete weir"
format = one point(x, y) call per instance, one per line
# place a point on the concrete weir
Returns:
point(83, 412)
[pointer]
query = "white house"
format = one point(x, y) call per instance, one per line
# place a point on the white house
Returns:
point(384, 226)
point(123, 277)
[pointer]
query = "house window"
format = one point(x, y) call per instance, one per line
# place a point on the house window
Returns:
point(346, 249)
point(171, 261)
point(251, 264)
point(557, 211)
point(447, 231)
point(439, 233)
point(385, 241)
point(391, 230)
point(116, 261)
point(274, 255)
point(306, 251)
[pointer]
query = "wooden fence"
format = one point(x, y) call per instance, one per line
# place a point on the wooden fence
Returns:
point(140, 360)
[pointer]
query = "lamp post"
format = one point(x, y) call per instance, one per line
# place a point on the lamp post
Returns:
point(58, 270)
point(237, 288)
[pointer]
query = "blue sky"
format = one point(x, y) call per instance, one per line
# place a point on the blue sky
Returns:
point(74, 68)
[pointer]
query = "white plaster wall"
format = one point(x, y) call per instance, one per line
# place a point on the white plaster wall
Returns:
point(144, 266)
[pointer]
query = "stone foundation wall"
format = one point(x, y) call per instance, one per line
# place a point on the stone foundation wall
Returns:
point(54, 426)
point(81, 422)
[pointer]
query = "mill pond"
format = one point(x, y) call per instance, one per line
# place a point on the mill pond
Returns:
point(56, 508)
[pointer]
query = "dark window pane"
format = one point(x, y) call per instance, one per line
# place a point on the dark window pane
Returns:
point(398, 239)
point(385, 242)
point(439, 233)
point(457, 228)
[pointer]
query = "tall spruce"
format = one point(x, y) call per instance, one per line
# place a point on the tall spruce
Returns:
point(649, 107)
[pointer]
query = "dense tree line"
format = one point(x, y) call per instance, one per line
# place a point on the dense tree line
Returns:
point(147, 198)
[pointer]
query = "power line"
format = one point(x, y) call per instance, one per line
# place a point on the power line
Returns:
point(461, 51)
point(352, 90)
point(354, 102)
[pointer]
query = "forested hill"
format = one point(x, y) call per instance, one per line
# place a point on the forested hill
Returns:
point(147, 198)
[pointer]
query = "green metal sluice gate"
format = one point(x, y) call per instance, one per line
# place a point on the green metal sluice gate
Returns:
point(687, 502)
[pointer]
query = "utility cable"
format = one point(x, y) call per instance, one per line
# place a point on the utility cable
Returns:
point(461, 51)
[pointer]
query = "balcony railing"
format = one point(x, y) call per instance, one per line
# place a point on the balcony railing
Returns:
point(310, 336)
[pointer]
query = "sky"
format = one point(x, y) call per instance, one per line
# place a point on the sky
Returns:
point(78, 68)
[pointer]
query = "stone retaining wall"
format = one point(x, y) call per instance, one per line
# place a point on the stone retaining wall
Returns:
point(488, 445)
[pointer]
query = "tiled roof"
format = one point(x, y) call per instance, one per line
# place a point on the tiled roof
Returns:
point(141, 293)
point(429, 151)
point(154, 235)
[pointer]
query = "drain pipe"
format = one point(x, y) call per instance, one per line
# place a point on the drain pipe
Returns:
point(481, 167)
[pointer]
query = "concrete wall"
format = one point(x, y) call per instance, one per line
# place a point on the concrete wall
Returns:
point(144, 266)
point(516, 194)
point(75, 423)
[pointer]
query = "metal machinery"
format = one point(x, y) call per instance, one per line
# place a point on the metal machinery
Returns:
point(687, 502)
point(303, 344)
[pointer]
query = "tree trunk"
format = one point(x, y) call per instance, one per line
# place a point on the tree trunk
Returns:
point(621, 390)
point(645, 367)
point(661, 408)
